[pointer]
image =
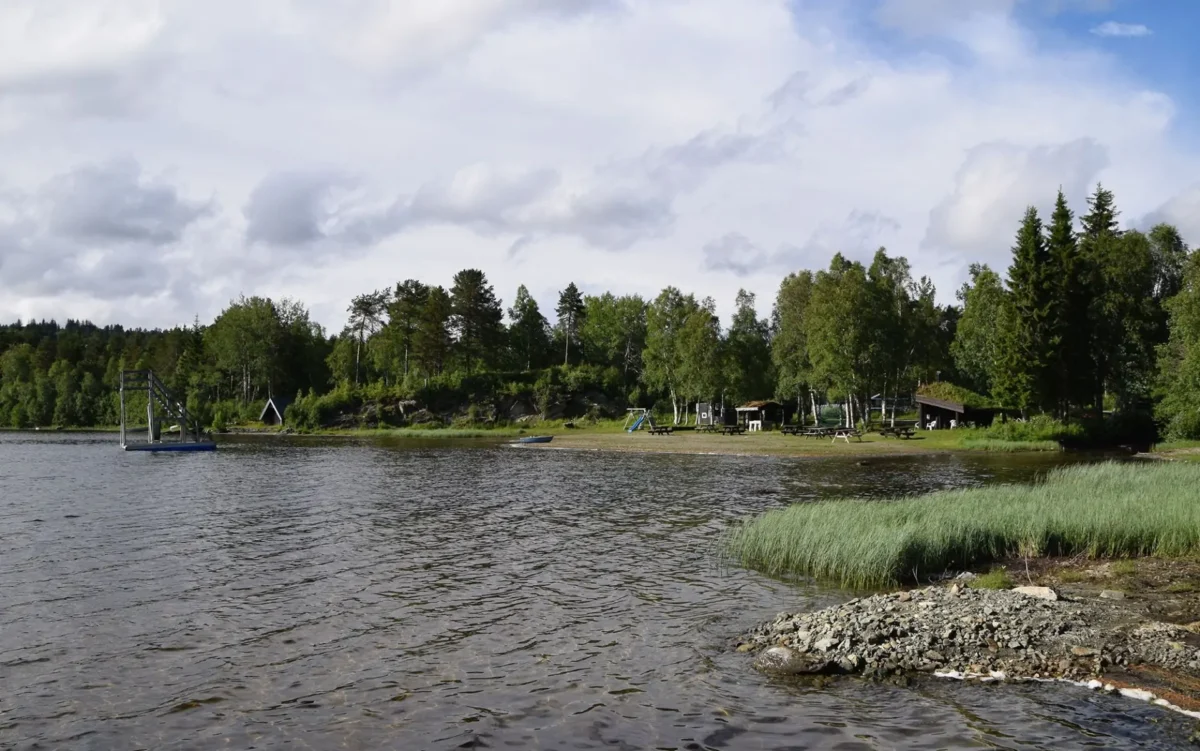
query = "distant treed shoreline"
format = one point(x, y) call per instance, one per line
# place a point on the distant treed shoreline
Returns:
point(1089, 318)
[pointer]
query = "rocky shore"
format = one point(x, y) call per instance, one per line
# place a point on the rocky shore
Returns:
point(1028, 632)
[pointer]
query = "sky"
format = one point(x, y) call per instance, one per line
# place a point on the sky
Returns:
point(158, 158)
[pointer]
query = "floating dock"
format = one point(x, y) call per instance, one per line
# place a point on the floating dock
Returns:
point(137, 385)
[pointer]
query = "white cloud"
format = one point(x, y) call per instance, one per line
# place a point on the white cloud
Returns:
point(1183, 211)
point(621, 144)
point(1115, 29)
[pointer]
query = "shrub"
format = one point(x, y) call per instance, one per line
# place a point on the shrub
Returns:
point(1036, 429)
point(1185, 426)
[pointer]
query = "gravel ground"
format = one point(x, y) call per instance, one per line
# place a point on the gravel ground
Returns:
point(973, 631)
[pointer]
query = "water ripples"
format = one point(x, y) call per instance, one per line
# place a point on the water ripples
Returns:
point(317, 594)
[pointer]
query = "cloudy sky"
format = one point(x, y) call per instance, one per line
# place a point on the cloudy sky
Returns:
point(158, 157)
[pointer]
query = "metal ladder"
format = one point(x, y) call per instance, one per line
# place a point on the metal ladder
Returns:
point(157, 394)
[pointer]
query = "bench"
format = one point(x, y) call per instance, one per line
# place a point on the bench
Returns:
point(662, 430)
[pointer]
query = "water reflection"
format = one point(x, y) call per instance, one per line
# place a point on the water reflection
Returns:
point(363, 595)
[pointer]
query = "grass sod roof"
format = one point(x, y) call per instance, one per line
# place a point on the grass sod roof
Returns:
point(949, 392)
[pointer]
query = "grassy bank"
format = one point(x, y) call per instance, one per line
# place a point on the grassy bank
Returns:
point(1008, 447)
point(774, 443)
point(1108, 510)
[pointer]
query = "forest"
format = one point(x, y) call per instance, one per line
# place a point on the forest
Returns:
point(1088, 320)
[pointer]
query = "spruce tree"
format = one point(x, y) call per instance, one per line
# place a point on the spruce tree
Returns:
point(1027, 356)
point(1072, 364)
point(1099, 253)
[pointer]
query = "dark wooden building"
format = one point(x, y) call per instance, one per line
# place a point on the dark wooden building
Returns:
point(941, 412)
point(766, 413)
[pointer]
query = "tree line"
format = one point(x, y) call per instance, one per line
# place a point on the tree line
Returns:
point(1087, 318)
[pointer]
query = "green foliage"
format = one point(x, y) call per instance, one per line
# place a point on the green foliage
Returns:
point(748, 353)
point(1098, 511)
point(1025, 373)
point(997, 578)
point(1178, 382)
point(571, 313)
point(614, 333)
point(979, 341)
point(1007, 446)
point(953, 393)
point(476, 320)
point(529, 333)
point(789, 343)
point(1036, 428)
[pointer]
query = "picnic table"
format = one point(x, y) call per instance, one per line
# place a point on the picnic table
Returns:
point(732, 430)
point(791, 429)
point(662, 430)
point(708, 429)
point(846, 434)
point(897, 431)
point(818, 432)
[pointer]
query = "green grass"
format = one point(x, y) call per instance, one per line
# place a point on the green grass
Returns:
point(997, 578)
point(1124, 568)
point(1071, 576)
point(1011, 447)
point(1112, 510)
point(1182, 587)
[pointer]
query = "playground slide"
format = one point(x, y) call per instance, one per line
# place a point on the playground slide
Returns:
point(638, 424)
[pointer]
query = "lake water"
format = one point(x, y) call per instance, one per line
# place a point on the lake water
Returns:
point(353, 594)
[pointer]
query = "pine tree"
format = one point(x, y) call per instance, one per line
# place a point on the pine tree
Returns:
point(478, 318)
point(366, 317)
point(1029, 341)
point(570, 312)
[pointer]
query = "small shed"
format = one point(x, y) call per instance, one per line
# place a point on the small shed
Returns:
point(938, 404)
point(274, 410)
point(768, 412)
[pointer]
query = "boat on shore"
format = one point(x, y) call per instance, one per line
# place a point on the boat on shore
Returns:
point(536, 439)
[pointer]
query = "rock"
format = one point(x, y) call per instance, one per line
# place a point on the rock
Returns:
point(995, 632)
point(1041, 593)
point(784, 661)
point(747, 647)
point(1112, 594)
point(966, 576)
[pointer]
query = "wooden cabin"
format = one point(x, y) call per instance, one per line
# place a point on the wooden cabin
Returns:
point(765, 415)
point(941, 414)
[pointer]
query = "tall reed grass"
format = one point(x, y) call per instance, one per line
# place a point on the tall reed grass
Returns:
point(1100, 511)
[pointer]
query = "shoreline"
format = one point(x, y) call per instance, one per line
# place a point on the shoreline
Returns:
point(1090, 637)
